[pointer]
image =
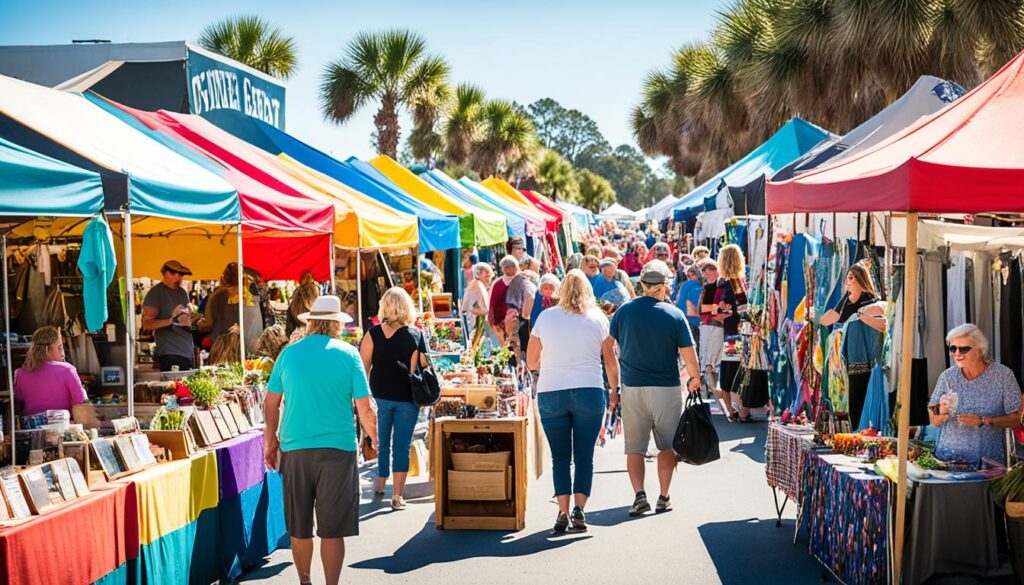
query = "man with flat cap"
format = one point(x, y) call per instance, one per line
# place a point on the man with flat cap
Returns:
point(167, 313)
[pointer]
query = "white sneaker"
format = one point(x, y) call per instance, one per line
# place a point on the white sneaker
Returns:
point(398, 503)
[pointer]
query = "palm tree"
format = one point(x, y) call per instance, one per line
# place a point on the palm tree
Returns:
point(425, 142)
point(594, 190)
point(464, 124)
point(506, 140)
point(390, 66)
point(253, 41)
point(556, 176)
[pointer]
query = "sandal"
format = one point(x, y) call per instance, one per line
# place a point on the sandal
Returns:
point(733, 417)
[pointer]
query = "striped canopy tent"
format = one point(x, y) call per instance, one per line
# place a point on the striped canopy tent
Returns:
point(514, 225)
point(536, 224)
point(438, 230)
point(360, 222)
point(32, 184)
point(552, 220)
point(485, 228)
point(282, 236)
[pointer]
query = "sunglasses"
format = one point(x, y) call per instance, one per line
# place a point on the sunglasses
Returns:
point(963, 349)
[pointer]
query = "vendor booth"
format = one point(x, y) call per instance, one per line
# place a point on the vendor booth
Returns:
point(965, 159)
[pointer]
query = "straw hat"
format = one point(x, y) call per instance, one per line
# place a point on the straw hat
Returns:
point(325, 308)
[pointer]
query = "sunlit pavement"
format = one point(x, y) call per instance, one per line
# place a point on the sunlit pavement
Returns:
point(722, 530)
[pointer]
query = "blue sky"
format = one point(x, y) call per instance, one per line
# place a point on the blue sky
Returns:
point(591, 56)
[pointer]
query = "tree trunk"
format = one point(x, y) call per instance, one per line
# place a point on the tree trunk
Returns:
point(386, 122)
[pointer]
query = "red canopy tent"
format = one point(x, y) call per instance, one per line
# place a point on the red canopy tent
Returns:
point(966, 158)
point(282, 236)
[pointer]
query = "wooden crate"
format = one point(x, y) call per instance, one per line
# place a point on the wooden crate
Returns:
point(509, 514)
point(174, 441)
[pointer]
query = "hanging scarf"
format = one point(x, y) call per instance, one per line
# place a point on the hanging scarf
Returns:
point(838, 381)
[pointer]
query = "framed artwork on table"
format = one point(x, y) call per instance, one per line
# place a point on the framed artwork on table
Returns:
point(196, 431)
point(240, 420)
point(77, 477)
point(210, 427)
point(229, 420)
point(36, 489)
point(222, 426)
point(141, 444)
point(62, 474)
point(106, 455)
point(15, 497)
point(126, 450)
point(53, 490)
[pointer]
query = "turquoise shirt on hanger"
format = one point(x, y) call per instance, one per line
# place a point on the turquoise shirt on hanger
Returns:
point(98, 264)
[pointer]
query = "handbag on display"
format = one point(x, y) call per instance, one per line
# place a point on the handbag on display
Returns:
point(696, 440)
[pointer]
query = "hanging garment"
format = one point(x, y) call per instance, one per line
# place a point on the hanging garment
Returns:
point(996, 282)
point(875, 412)
point(796, 290)
point(82, 354)
point(1010, 318)
point(97, 264)
point(837, 376)
point(55, 312)
point(956, 293)
point(984, 301)
point(933, 315)
point(43, 262)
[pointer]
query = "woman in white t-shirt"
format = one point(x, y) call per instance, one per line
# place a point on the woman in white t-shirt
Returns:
point(567, 346)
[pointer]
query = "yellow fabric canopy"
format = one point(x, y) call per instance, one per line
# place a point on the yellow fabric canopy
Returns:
point(498, 188)
point(376, 224)
point(503, 187)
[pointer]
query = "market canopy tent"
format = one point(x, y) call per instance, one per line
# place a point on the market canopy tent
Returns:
point(584, 218)
point(514, 224)
point(966, 158)
point(662, 209)
point(479, 227)
point(615, 211)
point(552, 220)
point(282, 236)
point(32, 184)
point(792, 140)
point(535, 223)
point(437, 230)
point(928, 95)
point(360, 222)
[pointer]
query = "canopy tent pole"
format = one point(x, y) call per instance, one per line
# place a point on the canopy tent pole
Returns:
point(903, 396)
point(332, 267)
point(359, 289)
point(419, 277)
point(129, 338)
point(241, 300)
point(7, 346)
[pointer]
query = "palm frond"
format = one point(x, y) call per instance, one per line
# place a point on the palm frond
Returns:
point(253, 41)
point(343, 90)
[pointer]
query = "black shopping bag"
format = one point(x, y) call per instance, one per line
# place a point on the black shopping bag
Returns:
point(696, 440)
point(753, 388)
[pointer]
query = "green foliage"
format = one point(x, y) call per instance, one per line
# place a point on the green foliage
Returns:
point(556, 177)
point(204, 387)
point(506, 139)
point(253, 41)
point(595, 191)
point(570, 133)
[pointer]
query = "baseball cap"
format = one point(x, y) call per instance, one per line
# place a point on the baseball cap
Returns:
point(655, 272)
point(175, 266)
point(608, 262)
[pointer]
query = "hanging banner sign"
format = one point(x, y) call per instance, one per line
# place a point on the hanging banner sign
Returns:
point(215, 85)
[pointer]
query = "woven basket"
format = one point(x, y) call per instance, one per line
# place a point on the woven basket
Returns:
point(1015, 509)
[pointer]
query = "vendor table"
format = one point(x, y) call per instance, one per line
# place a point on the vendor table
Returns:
point(79, 542)
point(782, 467)
point(198, 520)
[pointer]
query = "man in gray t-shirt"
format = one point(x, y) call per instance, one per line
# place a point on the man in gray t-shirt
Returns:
point(167, 313)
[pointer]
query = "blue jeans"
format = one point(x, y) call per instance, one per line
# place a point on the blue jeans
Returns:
point(398, 418)
point(572, 420)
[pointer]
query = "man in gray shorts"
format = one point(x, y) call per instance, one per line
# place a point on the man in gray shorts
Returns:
point(652, 335)
point(320, 377)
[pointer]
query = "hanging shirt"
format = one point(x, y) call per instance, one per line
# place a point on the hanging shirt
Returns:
point(97, 263)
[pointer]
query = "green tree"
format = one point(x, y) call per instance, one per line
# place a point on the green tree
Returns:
point(594, 191)
point(555, 176)
point(253, 41)
point(506, 139)
point(392, 67)
point(571, 133)
point(464, 125)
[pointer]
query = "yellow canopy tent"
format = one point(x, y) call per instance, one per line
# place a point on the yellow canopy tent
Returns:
point(503, 187)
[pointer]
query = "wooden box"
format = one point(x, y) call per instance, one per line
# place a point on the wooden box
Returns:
point(477, 485)
point(506, 514)
point(481, 461)
point(174, 441)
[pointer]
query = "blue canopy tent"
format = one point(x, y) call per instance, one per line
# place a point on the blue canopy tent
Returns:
point(515, 225)
point(438, 231)
point(794, 139)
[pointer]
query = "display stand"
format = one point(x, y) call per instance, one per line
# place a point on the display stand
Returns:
point(490, 512)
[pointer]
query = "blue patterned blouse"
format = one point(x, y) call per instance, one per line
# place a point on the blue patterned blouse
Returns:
point(994, 393)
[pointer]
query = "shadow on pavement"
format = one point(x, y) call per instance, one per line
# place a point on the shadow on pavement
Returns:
point(760, 545)
point(266, 571)
point(431, 546)
point(611, 517)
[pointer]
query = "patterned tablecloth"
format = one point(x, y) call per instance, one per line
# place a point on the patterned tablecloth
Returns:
point(846, 513)
point(782, 458)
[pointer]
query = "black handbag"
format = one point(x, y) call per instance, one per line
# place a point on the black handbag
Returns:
point(696, 440)
point(752, 386)
point(426, 390)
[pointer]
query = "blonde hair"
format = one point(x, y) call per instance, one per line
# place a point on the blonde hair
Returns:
point(326, 327)
point(271, 342)
point(731, 263)
point(396, 308)
point(863, 277)
point(225, 349)
point(42, 339)
point(576, 294)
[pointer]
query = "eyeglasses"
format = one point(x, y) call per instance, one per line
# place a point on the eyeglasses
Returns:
point(963, 349)
point(708, 269)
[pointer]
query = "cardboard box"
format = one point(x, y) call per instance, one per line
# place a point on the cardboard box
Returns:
point(481, 461)
point(477, 485)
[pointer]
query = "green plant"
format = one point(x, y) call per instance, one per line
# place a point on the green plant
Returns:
point(1011, 486)
point(167, 420)
point(205, 389)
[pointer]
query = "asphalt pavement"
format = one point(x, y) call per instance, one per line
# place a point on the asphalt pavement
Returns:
point(721, 530)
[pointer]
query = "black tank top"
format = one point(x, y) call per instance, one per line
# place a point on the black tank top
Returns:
point(388, 380)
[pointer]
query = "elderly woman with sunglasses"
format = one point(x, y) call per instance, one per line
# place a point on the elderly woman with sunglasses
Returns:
point(974, 401)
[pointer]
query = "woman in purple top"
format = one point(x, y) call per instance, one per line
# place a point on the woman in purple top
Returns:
point(45, 381)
